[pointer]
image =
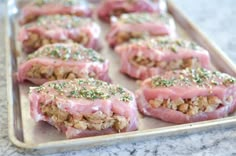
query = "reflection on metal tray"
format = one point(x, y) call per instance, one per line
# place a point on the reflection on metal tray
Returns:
point(26, 133)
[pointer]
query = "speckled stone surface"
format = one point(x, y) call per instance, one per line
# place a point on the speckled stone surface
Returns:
point(217, 19)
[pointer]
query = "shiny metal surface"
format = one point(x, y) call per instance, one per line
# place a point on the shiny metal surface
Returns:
point(25, 133)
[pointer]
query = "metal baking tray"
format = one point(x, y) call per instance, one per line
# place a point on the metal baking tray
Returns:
point(43, 138)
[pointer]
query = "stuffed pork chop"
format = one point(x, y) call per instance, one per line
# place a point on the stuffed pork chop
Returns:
point(63, 61)
point(144, 58)
point(36, 8)
point(188, 95)
point(139, 25)
point(84, 107)
point(109, 8)
point(59, 29)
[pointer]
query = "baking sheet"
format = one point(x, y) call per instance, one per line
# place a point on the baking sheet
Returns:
point(26, 133)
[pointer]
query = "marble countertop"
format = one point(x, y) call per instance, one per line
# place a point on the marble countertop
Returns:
point(214, 17)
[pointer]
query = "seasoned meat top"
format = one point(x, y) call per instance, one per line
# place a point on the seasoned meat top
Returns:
point(72, 51)
point(59, 21)
point(193, 77)
point(40, 3)
point(90, 89)
point(164, 43)
point(136, 18)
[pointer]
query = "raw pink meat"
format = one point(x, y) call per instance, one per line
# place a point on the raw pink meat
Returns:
point(59, 29)
point(187, 84)
point(66, 57)
point(80, 99)
point(139, 25)
point(38, 8)
point(110, 8)
point(159, 49)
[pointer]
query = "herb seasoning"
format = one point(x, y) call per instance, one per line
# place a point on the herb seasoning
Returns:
point(159, 82)
point(136, 18)
point(40, 3)
point(166, 43)
point(90, 89)
point(67, 52)
point(200, 77)
point(59, 21)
